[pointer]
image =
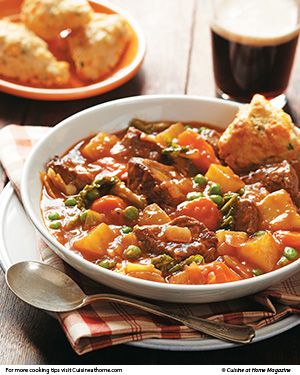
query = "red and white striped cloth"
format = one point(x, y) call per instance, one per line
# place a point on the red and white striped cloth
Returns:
point(104, 324)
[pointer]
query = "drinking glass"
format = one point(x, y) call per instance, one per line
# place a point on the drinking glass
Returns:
point(253, 46)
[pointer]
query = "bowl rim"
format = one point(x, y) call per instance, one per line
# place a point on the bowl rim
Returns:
point(39, 225)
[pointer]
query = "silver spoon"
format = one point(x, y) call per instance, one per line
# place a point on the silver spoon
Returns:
point(49, 289)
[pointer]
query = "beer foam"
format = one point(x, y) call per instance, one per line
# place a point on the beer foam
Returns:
point(257, 22)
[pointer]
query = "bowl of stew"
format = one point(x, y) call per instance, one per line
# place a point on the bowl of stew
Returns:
point(144, 195)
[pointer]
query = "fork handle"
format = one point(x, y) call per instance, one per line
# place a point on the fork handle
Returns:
point(242, 334)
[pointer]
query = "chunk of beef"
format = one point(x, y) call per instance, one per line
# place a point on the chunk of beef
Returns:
point(255, 192)
point(296, 165)
point(135, 143)
point(246, 216)
point(71, 173)
point(185, 166)
point(152, 239)
point(275, 177)
point(159, 183)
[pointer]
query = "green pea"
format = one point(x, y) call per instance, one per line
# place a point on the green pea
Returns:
point(54, 216)
point(257, 272)
point(126, 230)
point(131, 213)
point(132, 252)
point(290, 253)
point(92, 195)
point(194, 195)
point(200, 179)
point(283, 261)
point(259, 233)
point(217, 199)
point(107, 263)
point(55, 225)
point(70, 201)
point(215, 190)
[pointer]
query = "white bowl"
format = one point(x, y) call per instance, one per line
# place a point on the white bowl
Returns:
point(111, 117)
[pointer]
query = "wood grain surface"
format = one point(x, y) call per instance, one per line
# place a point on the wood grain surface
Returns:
point(178, 61)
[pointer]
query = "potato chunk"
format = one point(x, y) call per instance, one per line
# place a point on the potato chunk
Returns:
point(262, 251)
point(99, 146)
point(153, 214)
point(225, 177)
point(277, 211)
point(229, 241)
point(144, 271)
point(165, 137)
point(94, 244)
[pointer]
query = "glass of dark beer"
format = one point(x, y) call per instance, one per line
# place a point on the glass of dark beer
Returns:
point(253, 46)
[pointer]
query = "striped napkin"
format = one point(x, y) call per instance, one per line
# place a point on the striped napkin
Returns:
point(104, 324)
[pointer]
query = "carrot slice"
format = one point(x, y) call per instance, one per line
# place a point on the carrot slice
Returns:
point(203, 155)
point(202, 209)
point(288, 238)
point(111, 207)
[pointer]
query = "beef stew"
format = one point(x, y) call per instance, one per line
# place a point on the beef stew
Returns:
point(157, 202)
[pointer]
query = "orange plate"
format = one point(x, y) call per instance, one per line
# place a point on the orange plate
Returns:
point(127, 67)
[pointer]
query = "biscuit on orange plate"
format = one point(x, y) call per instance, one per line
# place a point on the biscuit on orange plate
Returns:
point(47, 18)
point(98, 47)
point(26, 57)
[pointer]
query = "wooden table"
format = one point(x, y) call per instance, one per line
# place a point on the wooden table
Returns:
point(178, 61)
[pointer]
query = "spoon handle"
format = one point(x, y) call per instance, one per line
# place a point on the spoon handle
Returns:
point(240, 334)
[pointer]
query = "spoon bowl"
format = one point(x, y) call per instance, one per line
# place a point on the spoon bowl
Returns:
point(44, 287)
